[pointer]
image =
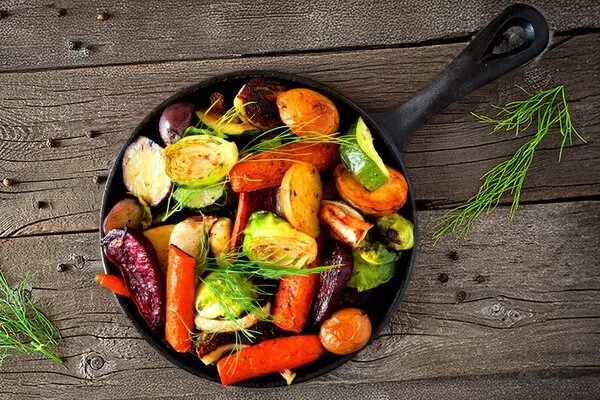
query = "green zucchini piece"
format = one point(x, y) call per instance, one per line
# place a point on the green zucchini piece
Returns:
point(231, 126)
point(361, 159)
point(197, 198)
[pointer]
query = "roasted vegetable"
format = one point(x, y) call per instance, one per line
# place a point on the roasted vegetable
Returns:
point(114, 283)
point(159, 237)
point(384, 201)
point(211, 346)
point(256, 102)
point(375, 253)
point(126, 213)
point(346, 331)
point(267, 169)
point(366, 276)
point(360, 157)
point(272, 355)
point(307, 112)
point(136, 258)
point(271, 240)
point(228, 325)
point(293, 301)
point(396, 232)
point(174, 120)
point(344, 225)
point(216, 297)
point(220, 237)
point(300, 195)
point(224, 124)
point(200, 160)
point(144, 171)
point(295, 295)
point(217, 102)
point(198, 198)
point(190, 235)
point(181, 285)
point(333, 281)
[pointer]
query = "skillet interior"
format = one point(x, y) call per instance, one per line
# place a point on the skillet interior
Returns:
point(380, 303)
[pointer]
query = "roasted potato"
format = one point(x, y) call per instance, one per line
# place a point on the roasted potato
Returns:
point(300, 195)
point(381, 202)
point(174, 120)
point(126, 213)
point(144, 171)
point(307, 112)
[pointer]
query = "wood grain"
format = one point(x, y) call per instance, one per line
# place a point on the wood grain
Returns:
point(62, 34)
point(445, 159)
point(531, 302)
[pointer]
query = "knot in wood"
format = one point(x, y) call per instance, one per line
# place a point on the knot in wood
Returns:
point(96, 362)
point(461, 296)
point(78, 261)
point(453, 256)
point(443, 277)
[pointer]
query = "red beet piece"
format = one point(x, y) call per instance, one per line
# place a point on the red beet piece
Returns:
point(136, 258)
point(332, 282)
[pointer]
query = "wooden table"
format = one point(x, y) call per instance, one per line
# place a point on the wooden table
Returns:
point(513, 311)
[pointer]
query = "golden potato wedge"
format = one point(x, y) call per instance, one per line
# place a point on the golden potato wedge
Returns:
point(159, 237)
point(300, 194)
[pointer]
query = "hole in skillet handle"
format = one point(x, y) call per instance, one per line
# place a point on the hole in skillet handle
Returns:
point(380, 303)
point(483, 60)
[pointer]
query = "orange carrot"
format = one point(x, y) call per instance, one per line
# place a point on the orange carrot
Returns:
point(295, 295)
point(181, 280)
point(272, 355)
point(293, 300)
point(114, 283)
point(267, 169)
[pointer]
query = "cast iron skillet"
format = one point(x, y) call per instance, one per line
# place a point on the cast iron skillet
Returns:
point(477, 65)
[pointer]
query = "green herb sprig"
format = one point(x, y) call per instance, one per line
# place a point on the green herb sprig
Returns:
point(23, 328)
point(549, 108)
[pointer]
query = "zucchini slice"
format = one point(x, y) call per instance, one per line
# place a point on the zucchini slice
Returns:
point(232, 126)
point(196, 198)
point(360, 157)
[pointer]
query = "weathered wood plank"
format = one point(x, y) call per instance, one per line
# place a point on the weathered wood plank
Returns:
point(531, 302)
point(445, 158)
point(38, 34)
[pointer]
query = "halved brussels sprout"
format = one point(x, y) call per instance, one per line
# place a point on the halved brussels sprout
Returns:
point(201, 160)
point(396, 232)
point(377, 254)
point(196, 198)
point(367, 276)
point(218, 292)
point(271, 240)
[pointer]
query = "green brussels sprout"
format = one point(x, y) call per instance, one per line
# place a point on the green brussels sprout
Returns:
point(375, 253)
point(217, 294)
point(271, 240)
point(200, 160)
point(367, 276)
point(396, 232)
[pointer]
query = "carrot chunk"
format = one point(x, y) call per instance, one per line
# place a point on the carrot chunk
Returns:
point(114, 283)
point(272, 355)
point(181, 280)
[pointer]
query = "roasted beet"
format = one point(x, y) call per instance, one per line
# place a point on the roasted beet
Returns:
point(134, 255)
point(333, 281)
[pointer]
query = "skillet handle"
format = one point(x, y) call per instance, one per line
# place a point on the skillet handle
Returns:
point(479, 63)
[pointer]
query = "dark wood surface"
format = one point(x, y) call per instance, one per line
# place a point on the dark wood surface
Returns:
point(520, 313)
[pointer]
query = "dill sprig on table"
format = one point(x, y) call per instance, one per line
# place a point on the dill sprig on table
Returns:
point(549, 108)
point(23, 328)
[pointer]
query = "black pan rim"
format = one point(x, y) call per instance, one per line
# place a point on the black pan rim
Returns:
point(158, 346)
